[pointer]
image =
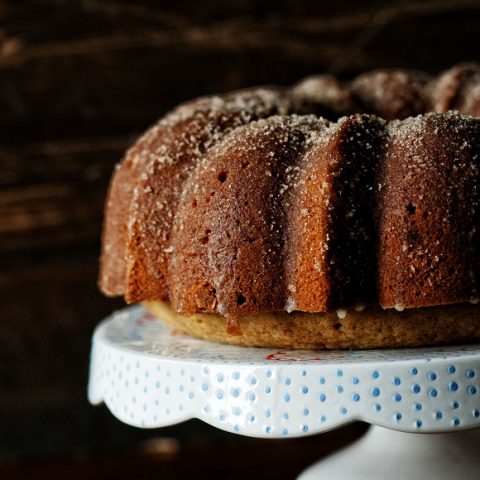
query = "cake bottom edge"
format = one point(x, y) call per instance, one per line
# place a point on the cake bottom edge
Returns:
point(367, 329)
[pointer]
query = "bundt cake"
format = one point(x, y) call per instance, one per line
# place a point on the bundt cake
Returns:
point(325, 215)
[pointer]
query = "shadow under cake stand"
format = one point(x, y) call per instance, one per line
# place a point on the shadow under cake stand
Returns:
point(150, 377)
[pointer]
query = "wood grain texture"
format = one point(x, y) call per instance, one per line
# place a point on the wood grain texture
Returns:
point(79, 81)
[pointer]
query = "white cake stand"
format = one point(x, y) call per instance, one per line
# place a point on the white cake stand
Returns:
point(150, 377)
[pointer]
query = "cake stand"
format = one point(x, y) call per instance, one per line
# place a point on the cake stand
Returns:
point(151, 377)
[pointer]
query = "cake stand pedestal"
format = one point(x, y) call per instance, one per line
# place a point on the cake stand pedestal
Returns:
point(150, 377)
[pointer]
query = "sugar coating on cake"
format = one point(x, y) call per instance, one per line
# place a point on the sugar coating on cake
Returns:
point(249, 202)
point(392, 94)
point(457, 89)
point(332, 97)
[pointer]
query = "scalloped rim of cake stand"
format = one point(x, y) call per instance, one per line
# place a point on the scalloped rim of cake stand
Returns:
point(149, 376)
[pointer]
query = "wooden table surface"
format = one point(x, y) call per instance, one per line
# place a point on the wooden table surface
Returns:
point(79, 81)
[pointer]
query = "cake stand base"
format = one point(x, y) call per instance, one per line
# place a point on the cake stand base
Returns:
point(388, 454)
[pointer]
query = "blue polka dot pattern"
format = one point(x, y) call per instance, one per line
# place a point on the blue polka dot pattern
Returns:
point(157, 379)
point(453, 386)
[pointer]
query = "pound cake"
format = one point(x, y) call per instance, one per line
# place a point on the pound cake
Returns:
point(325, 215)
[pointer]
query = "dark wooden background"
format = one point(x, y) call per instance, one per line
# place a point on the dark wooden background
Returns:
point(79, 80)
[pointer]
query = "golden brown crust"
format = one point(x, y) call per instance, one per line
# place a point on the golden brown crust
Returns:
point(371, 328)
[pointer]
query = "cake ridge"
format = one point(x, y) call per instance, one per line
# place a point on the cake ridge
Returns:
point(457, 89)
point(443, 152)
